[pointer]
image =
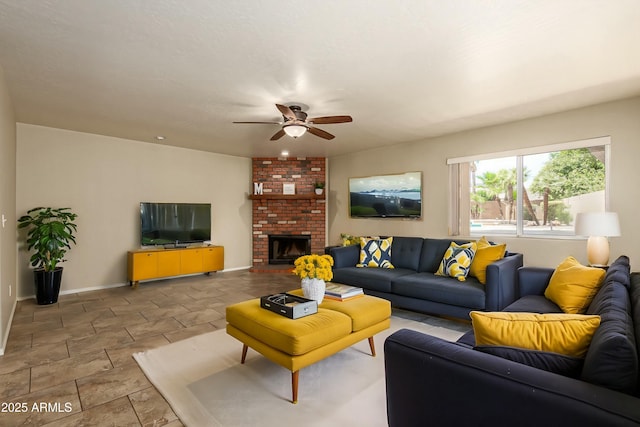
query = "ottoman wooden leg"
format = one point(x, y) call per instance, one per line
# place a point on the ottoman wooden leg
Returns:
point(372, 347)
point(294, 386)
point(244, 353)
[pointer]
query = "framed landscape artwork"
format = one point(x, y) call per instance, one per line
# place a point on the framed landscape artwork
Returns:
point(386, 196)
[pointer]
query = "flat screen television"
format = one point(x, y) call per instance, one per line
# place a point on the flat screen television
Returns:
point(177, 224)
point(386, 196)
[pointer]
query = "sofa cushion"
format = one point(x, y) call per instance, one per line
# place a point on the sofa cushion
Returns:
point(553, 362)
point(441, 289)
point(345, 256)
point(431, 254)
point(612, 359)
point(568, 334)
point(375, 252)
point(457, 260)
point(467, 339)
point(486, 253)
point(375, 279)
point(533, 304)
point(406, 252)
point(619, 271)
point(573, 286)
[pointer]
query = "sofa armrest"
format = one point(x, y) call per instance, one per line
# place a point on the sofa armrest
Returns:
point(502, 282)
point(446, 383)
point(533, 280)
point(345, 256)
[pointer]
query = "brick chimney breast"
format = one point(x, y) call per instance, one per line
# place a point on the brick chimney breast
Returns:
point(274, 214)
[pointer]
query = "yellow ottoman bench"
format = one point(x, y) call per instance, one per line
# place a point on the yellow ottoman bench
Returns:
point(297, 343)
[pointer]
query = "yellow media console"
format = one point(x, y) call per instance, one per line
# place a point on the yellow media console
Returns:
point(149, 264)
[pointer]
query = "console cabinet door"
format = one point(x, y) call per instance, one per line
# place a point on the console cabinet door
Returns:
point(143, 265)
point(191, 261)
point(168, 263)
point(213, 258)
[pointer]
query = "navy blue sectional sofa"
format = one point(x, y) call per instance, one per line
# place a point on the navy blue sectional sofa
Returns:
point(456, 384)
point(412, 284)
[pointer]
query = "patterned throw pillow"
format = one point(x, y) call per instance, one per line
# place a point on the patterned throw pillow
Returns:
point(457, 260)
point(375, 253)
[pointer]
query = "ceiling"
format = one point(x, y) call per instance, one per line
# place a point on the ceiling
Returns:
point(405, 71)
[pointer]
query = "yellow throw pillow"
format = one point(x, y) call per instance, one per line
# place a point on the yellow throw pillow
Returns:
point(456, 260)
point(485, 255)
point(573, 286)
point(483, 243)
point(568, 334)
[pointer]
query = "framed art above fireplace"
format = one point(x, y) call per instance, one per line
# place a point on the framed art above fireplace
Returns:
point(386, 196)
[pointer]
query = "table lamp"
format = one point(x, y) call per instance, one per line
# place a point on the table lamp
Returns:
point(597, 226)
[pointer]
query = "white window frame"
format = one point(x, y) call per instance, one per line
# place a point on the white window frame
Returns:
point(459, 209)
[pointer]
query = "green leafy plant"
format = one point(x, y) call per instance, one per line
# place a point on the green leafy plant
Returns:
point(348, 239)
point(319, 184)
point(50, 234)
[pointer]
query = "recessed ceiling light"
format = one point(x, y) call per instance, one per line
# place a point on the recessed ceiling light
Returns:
point(160, 138)
point(284, 153)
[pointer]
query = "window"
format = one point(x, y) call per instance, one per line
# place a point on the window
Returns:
point(532, 192)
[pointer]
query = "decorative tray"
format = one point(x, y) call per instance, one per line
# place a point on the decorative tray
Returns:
point(291, 306)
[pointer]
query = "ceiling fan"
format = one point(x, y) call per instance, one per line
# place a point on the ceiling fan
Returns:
point(296, 124)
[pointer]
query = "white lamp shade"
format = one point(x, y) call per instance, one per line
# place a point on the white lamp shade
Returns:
point(295, 130)
point(604, 224)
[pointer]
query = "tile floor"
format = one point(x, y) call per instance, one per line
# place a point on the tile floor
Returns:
point(70, 364)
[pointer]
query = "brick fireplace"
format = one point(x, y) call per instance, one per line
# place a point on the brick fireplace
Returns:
point(294, 216)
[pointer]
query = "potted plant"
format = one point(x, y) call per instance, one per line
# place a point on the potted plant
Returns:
point(319, 187)
point(50, 234)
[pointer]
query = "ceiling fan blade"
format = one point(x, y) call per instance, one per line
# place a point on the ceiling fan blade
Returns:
point(320, 133)
point(261, 123)
point(277, 135)
point(286, 111)
point(330, 120)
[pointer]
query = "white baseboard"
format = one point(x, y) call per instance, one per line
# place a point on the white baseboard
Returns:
point(5, 339)
point(118, 285)
point(237, 268)
point(76, 291)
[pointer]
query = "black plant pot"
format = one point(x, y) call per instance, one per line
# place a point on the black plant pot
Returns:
point(47, 285)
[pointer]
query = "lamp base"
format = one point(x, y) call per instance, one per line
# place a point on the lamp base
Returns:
point(598, 251)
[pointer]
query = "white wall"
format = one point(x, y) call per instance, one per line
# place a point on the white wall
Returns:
point(8, 210)
point(104, 179)
point(620, 120)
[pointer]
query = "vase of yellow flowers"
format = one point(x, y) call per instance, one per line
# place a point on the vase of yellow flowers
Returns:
point(314, 271)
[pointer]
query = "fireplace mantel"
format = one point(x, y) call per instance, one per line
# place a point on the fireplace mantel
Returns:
point(309, 196)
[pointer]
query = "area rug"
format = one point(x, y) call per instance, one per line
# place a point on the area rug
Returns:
point(205, 384)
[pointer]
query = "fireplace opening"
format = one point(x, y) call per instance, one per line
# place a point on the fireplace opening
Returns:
point(285, 248)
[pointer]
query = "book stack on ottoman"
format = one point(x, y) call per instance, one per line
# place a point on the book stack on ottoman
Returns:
point(340, 292)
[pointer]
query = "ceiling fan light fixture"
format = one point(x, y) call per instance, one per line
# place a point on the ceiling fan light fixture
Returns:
point(295, 124)
point(294, 130)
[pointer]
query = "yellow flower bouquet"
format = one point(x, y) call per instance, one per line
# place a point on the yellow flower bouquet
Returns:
point(314, 267)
